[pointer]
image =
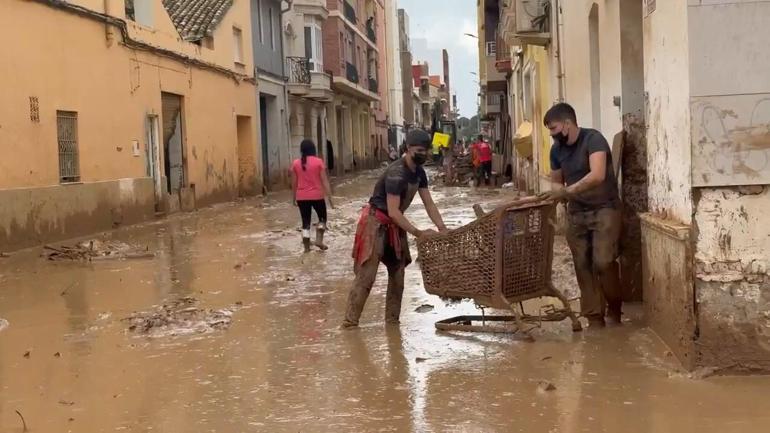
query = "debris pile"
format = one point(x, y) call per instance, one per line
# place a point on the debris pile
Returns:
point(182, 316)
point(463, 171)
point(96, 250)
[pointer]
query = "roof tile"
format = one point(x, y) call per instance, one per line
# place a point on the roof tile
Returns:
point(196, 19)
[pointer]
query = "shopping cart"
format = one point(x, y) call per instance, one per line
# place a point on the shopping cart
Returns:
point(500, 260)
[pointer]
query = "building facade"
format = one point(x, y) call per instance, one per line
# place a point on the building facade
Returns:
point(380, 83)
point(688, 141)
point(348, 49)
point(163, 118)
point(395, 75)
point(309, 86)
point(272, 100)
point(405, 53)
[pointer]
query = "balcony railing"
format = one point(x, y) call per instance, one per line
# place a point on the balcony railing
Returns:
point(502, 50)
point(503, 62)
point(370, 31)
point(298, 69)
point(349, 11)
point(373, 87)
point(351, 73)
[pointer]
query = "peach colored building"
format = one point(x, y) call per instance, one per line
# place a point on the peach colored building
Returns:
point(116, 110)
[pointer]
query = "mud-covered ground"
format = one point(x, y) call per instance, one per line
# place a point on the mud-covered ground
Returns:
point(224, 326)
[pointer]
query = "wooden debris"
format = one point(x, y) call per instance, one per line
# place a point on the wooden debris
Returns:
point(94, 250)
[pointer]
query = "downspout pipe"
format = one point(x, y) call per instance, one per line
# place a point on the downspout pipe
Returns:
point(109, 33)
point(559, 28)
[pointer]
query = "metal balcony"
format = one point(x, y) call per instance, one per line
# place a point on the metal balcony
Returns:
point(351, 73)
point(298, 69)
point(370, 31)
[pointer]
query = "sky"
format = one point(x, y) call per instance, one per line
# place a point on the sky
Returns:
point(438, 24)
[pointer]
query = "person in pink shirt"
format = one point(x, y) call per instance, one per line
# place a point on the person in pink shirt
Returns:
point(485, 158)
point(311, 190)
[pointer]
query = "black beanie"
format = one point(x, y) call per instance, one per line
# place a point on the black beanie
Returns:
point(418, 137)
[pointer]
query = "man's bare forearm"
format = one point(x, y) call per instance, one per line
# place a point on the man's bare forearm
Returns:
point(433, 213)
point(588, 182)
point(401, 221)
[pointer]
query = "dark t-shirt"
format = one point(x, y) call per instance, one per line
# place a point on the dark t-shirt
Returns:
point(399, 180)
point(573, 161)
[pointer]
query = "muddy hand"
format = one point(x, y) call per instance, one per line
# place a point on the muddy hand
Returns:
point(556, 195)
point(424, 234)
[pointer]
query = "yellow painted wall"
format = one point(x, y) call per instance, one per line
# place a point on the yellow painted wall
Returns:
point(66, 62)
point(539, 58)
point(73, 63)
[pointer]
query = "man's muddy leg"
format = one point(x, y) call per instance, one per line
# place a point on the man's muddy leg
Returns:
point(606, 235)
point(365, 276)
point(579, 240)
point(395, 293)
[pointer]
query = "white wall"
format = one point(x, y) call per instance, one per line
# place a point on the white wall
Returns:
point(395, 81)
point(577, 65)
point(667, 82)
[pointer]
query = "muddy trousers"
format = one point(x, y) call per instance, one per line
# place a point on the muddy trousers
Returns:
point(593, 238)
point(362, 286)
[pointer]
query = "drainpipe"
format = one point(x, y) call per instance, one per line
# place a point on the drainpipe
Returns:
point(109, 32)
point(286, 107)
point(559, 28)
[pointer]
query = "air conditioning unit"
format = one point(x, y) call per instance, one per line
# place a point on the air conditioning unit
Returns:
point(532, 16)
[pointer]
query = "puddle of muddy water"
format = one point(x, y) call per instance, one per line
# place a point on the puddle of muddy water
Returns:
point(282, 364)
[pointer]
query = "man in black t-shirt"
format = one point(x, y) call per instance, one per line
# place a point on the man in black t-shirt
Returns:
point(382, 229)
point(582, 173)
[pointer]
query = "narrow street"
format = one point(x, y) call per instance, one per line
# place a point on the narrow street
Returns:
point(68, 361)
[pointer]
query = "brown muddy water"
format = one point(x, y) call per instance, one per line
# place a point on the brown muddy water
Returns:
point(228, 328)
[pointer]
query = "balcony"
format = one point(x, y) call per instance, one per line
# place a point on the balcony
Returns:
point(373, 86)
point(503, 62)
point(321, 87)
point(371, 33)
point(349, 12)
point(298, 71)
point(351, 73)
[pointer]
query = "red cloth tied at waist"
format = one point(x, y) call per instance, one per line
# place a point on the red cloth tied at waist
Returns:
point(365, 235)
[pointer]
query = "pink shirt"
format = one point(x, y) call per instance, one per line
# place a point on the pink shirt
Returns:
point(485, 152)
point(309, 184)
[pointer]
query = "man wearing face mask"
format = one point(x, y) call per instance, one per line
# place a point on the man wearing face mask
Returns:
point(382, 228)
point(582, 174)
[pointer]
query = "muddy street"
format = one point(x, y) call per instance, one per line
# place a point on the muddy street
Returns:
point(227, 327)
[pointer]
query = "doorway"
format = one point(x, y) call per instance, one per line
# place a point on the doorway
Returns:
point(153, 158)
point(263, 139)
point(246, 160)
point(173, 143)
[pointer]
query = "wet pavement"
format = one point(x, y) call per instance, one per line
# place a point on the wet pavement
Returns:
point(279, 363)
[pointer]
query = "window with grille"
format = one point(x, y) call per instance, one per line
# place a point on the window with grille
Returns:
point(67, 131)
point(491, 48)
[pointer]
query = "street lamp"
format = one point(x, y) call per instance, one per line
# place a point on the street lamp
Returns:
point(471, 35)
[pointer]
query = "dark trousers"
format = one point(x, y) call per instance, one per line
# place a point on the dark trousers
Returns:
point(485, 172)
point(306, 211)
point(593, 238)
point(366, 273)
